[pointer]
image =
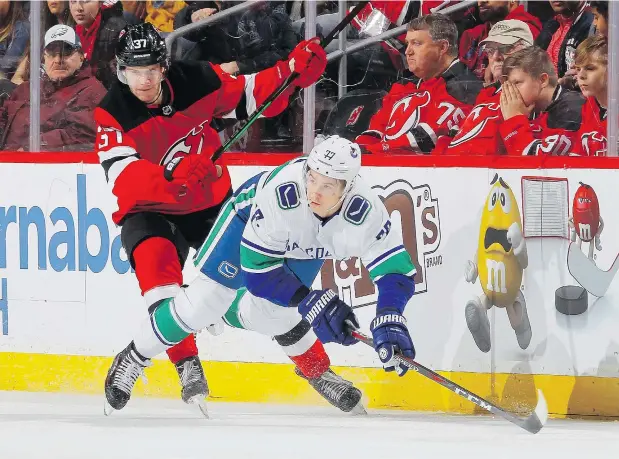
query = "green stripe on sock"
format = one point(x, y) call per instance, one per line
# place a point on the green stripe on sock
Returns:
point(167, 325)
point(399, 263)
point(232, 314)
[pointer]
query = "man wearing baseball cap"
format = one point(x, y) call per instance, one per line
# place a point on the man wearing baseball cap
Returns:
point(69, 95)
point(505, 37)
point(478, 134)
point(62, 52)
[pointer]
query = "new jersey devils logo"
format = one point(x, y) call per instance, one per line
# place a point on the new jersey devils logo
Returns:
point(594, 144)
point(354, 116)
point(467, 133)
point(190, 144)
point(405, 114)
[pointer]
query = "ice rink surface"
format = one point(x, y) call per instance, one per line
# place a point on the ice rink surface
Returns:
point(46, 426)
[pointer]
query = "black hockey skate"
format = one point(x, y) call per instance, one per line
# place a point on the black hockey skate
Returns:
point(126, 368)
point(337, 391)
point(193, 381)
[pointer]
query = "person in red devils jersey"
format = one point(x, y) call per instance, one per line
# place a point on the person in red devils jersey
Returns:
point(155, 141)
point(414, 115)
point(479, 133)
point(540, 117)
point(591, 67)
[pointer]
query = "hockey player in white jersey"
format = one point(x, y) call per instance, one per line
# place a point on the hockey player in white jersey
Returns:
point(259, 262)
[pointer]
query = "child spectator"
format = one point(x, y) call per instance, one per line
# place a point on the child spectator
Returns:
point(69, 95)
point(98, 27)
point(14, 36)
point(540, 117)
point(591, 68)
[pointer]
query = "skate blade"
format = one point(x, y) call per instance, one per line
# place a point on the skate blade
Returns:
point(201, 403)
point(358, 410)
point(107, 408)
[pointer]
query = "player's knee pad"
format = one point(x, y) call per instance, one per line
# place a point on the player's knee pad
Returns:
point(203, 302)
point(294, 334)
point(262, 316)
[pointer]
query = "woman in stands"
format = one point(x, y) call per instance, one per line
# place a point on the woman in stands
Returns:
point(57, 12)
point(14, 36)
point(591, 66)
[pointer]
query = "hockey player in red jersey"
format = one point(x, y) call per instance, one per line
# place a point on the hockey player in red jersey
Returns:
point(540, 117)
point(414, 115)
point(591, 66)
point(154, 142)
point(479, 133)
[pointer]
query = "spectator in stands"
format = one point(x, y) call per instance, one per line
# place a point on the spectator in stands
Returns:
point(14, 36)
point(202, 41)
point(479, 133)
point(540, 116)
point(98, 27)
point(265, 36)
point(491, 12)
point(505, 38)
point(57, 12)
point(414, 115)
point(600, 17)
point(69, 95)
point(245, 44)
point(591, 68)
point(561, 35)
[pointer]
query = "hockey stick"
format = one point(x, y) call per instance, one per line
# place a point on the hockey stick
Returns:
point(533, 423)
point(593, 279)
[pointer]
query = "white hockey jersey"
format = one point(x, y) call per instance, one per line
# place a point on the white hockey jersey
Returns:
point(281, 225)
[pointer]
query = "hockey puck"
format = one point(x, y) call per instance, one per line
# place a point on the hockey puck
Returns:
point(571, 300)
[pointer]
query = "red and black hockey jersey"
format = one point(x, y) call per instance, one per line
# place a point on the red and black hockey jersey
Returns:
point(414, 115)
point(136, 141)
point(479, 133)
point(553, 131)
point(592, 132)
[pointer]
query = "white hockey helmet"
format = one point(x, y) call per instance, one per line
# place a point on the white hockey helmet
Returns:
point(336, 157)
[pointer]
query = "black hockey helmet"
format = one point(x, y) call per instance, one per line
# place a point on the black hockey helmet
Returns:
point(140, 45)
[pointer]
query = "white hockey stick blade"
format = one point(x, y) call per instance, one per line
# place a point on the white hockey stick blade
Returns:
point(593, 279)
point(538, 418)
